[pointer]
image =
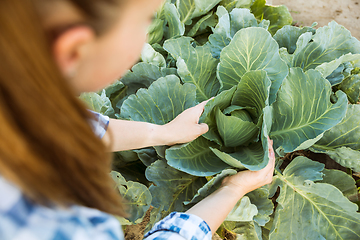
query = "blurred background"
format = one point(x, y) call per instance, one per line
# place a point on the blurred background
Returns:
point(305, 12)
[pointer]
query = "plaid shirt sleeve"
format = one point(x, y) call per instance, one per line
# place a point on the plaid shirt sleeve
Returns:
point(99, 123)
point(21, 219)
point(180, 226)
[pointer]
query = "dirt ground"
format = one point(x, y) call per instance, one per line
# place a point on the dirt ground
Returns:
point(344, 12)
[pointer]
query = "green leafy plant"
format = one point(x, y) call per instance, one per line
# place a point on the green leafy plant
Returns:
point(299, 86)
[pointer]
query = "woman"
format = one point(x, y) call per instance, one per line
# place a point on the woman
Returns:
point(54, 167)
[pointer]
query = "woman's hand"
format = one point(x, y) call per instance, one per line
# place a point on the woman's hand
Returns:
point(134, 135)
point(247, 181)
point(215, 207)
point(185, 127)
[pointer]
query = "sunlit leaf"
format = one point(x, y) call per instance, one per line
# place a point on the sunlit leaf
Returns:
point(255, 156)
point(228, 25)
point(156, 31)
point(252, 49)
point(138, 197)
point(351, 86)
point(328, 67)
point(176, 27)
point(222, 101)
point(260, 198)
point(142, 75)
point(244, 230)
point(211, 186)
point(172, 187)
point(195, 158)
point(202, 24)
point(203, 7)
point(303, 109)
point(186, 9)
point(147, 155)
point(243, 211)
point(285, 56)
point(231, 4)
point(149, 55)
point(328, 43)
point(162, 102)
point(279, 16)
point(235, 131)
point(289, 35)
point(195, 65)
point(342, 142)
point(98, 103)
point(308, 210)
point(342, 181)
point(253, 91)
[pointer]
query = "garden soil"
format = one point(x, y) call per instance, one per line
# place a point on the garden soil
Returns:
point(304, 13)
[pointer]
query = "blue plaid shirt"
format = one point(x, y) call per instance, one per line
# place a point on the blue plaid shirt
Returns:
point(21, 219)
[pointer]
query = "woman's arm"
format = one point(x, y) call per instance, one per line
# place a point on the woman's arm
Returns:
point(126, 135)
point(210, 213)
point(214, 208)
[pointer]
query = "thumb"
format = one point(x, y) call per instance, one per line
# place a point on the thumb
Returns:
point(203, 128)
point(201, 105)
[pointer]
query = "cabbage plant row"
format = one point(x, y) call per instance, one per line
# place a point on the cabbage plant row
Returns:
point(297, 85)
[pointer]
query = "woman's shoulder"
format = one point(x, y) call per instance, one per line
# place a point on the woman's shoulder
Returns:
point(22, 219)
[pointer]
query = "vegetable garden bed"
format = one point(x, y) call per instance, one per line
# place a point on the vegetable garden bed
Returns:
point(297, 85)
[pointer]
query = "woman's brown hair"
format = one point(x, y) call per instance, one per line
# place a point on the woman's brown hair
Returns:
point(47, 147)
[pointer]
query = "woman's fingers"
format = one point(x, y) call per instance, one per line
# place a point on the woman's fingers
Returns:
point(271, 164)
point(203, 128)
point(199, 109)
point(201, 105)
